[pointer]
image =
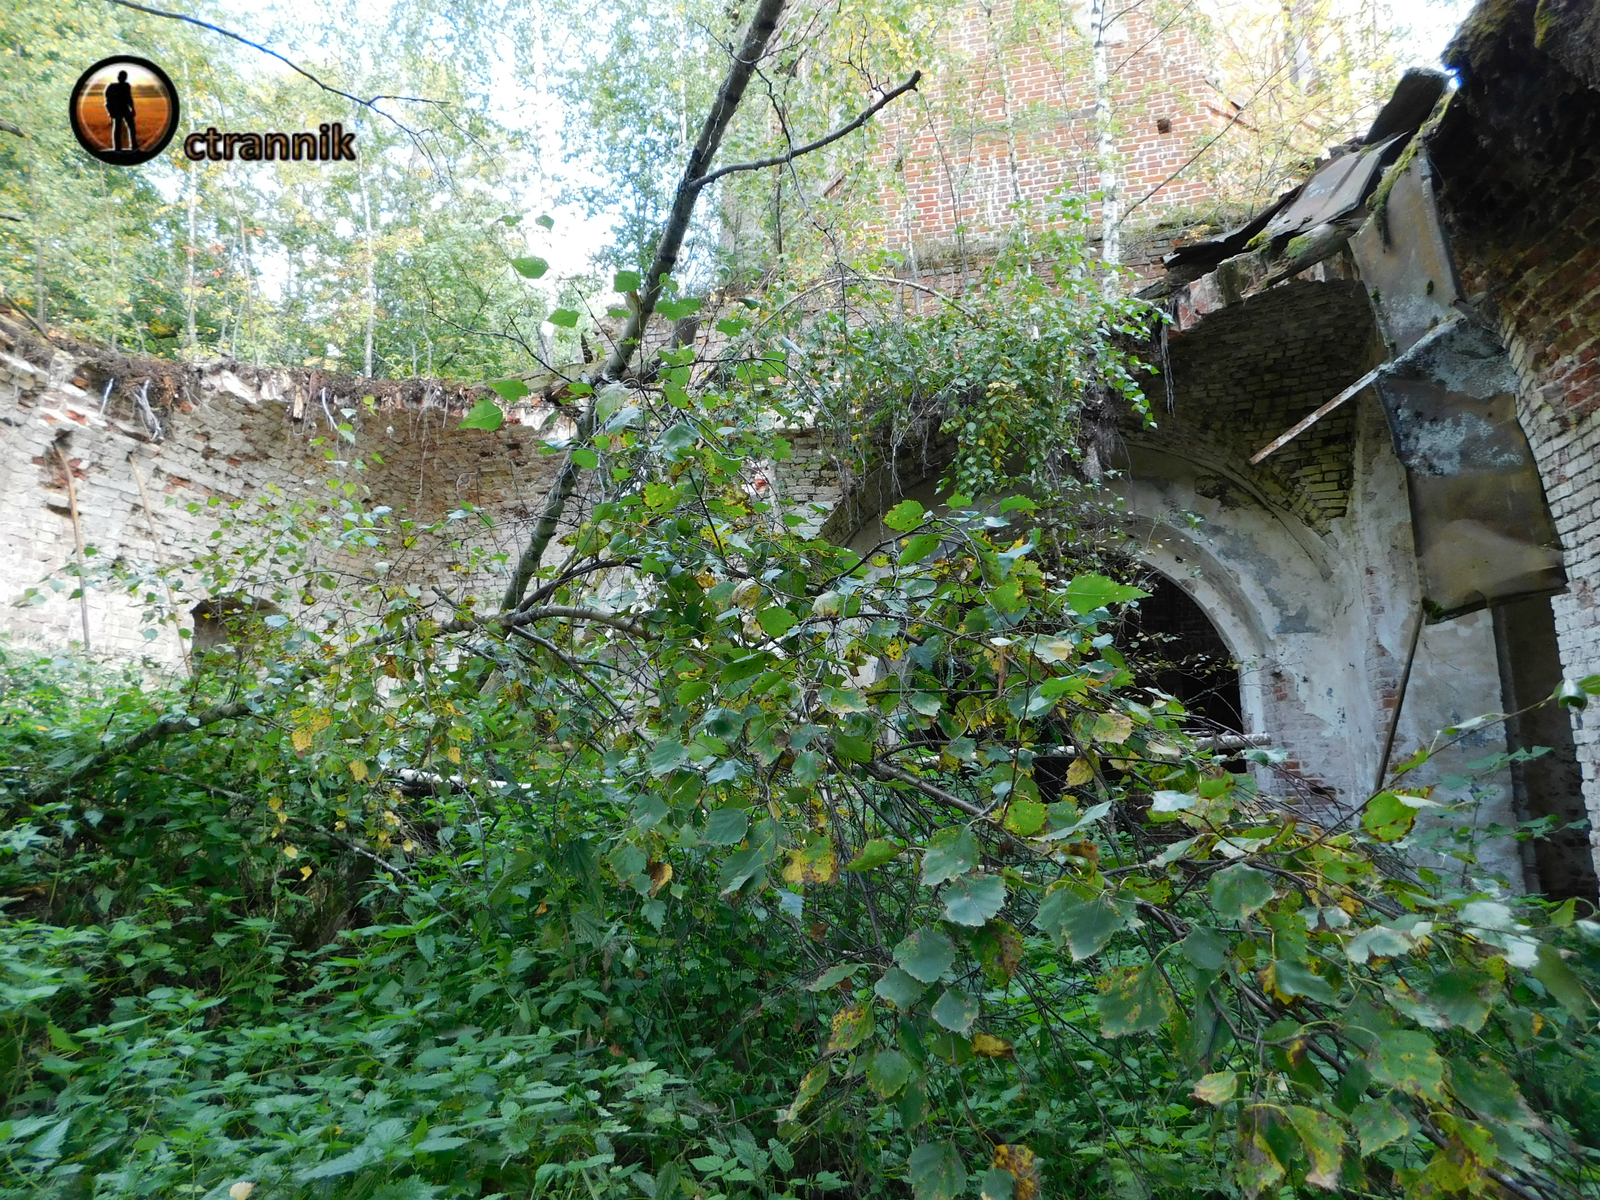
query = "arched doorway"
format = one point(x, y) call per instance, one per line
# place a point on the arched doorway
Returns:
point(1174, 647)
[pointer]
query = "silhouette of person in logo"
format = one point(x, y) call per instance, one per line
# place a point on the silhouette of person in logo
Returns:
point(119, 107)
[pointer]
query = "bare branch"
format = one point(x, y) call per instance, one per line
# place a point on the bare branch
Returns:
point(778, 160)
point(227, 33)
point(882, 770)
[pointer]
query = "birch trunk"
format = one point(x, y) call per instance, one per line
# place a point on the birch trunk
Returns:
point(371, 289)
point(1105, 142)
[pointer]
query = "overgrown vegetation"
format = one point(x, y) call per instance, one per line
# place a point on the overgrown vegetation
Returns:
point(731, 862)
point(722, 861)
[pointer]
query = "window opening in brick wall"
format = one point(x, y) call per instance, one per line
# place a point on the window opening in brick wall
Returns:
point(1173, 646)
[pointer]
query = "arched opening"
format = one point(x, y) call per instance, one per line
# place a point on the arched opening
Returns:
point(1174, 647)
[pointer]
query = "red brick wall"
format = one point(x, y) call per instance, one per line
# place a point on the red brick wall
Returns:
point(947, 163)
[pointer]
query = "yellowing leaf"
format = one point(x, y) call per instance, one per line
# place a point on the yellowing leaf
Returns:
point(1113, 728)
point(1217, 1088)
point(990, 1046)
point(851, 1026)
point(1023, 1166)
point(241, 1190)
point(301, 739)
point(810, 1088)
point(812, 864)
point(1324, 1142)
point(358, 768)
point(453, 753)
point(660, 876)
point(1079, 773)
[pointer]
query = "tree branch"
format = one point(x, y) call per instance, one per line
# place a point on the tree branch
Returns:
point(95, 763)
point(173, 16)
point(883, 771)
point(171, 726)
point(762, 26)
point(778, 160)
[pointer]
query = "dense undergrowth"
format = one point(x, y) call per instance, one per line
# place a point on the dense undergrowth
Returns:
point(734, 863)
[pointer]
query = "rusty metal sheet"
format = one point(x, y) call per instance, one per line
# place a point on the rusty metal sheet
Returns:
point(1337, 189)
point(1482, 528)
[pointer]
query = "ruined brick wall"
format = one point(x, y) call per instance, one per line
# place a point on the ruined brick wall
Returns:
point(1518, 161)
point(1023, 128)
point(230, 433)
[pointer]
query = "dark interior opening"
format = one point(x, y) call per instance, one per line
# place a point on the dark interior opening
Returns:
point(1172, 645)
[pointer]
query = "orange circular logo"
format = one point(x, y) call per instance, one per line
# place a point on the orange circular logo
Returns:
point(124, 110)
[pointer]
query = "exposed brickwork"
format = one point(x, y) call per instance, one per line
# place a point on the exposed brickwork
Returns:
point(230, 434)
point(1259, 366)
point(964, 172)
point(1518, 159)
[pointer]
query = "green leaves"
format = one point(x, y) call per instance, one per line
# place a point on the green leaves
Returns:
point(834, 976)
point(509, 390)
point(1378, 1124)
point(775, 622)
point(1086, 593)
point(486, 415)
point(925, 955)
point(935, 1172)
point(905, 516)
point(1204, 948)
point(974, 899)
point(874, 854)
point(1132, 1000)
point(888, 1072)
point(1083, 926)
point(918, 548)
point(1408, 1061)
point(1025, 817)
point(1387, 817)
point(564, 318)
point(951, 852)
point(530, 267)
point(1563, 984)
point(726, 827)
point(1239, 891)
point(956, 1010)
point(899, 988)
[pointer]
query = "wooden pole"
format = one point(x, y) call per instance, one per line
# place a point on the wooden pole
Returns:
point(1399, 701)
point(77, 533)
point(155, 539)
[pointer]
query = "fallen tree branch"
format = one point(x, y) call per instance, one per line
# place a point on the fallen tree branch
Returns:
point(171, 726)
point(150, 734)
point(762, 26)
point(883, 771)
